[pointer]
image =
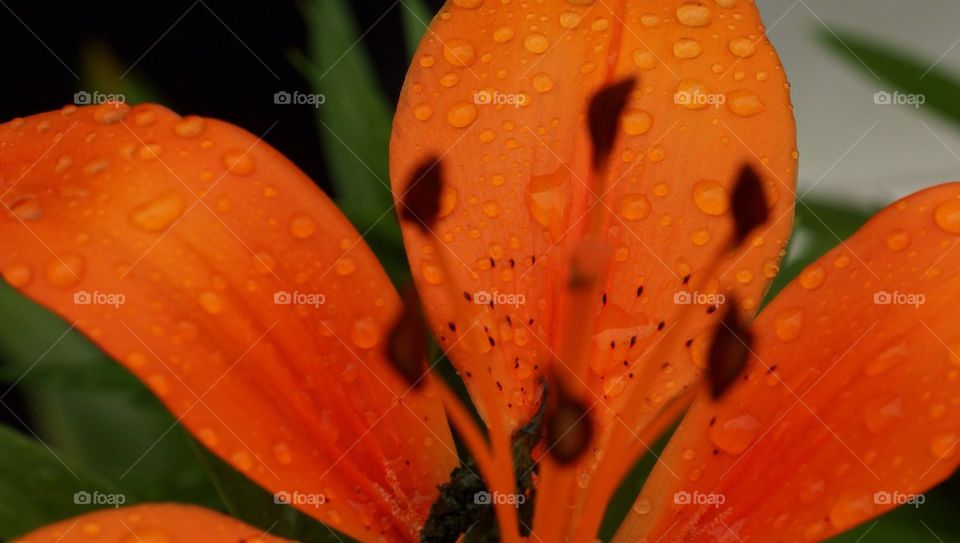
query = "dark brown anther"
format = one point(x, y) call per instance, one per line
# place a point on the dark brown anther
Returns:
point(749, 204)
point(420, 202)
point(729, 351)
point(408, 342)
point(606, 106)
point(568, 427)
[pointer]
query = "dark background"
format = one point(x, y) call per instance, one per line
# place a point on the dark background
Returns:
point(189, 57)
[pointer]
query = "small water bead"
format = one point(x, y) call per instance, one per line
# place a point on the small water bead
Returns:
point(189, 127)
point(237, 161)
point(110, 112)
point(462, 114)
point(448, 201)
point(813, 276)
point(302, 227)
point(841, 261)
point(427, 61)
point(689, 454)
point(449, 79)
point(211, 302)
point(694, 15)
point(431, 272)
point(491, 209)
point(635, 207)
point(345, 266)
point(744, 103)
point(503, 34)
point(459, 52)
point(17, 276)
point(880, 414)
point(710, 197)
point(542, 82)
point(685, 48)
point(636, 122)
point(736, 434)
point(893, 354)
point(789, 323)
point(742, 47)
point(692, 94)
point(945, 444)
point(701, 237)
point(365, 333)
point(947, 216)
point(851, 510)
point(536, 43)
point(423, 112)
point(158, 214)
point(642, 506)
point(744, 276)
point(65, 271)
point(283, 454)
point(644, 59)
point(569, 20)
point(600, 24)
point(898, 240)
point(27, 209)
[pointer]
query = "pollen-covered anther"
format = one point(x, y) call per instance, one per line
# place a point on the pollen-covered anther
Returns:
point(729, 351)
point(421, 201)
point(568, 427)
point(748, 204)
point(606, 109)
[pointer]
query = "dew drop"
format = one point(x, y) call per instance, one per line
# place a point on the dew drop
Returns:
point(302, 227)
point(635, 207)
point(65, 271)
point(237, 162)
point(110, 112)
point(365, 333)
point(17, 276)
point(693, 14)
point(462, 114)
point(636, 122)
point(744, 103)
point(459, 52)
point(536, 43)
point(548, 198)
point(742, 47)
point(211, 302)
point(945, 444)
point(189, 127)
point(898, 240)
point(687, 48)
point(736, 434)
point(789, 323)
point(947, 216)
point(813, 276)
point(710, 197)
point(158, 214)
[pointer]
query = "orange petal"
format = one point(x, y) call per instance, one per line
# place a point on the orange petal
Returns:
point(211, 267)
point(149, 523)
point(500, 90)
point(849, 405)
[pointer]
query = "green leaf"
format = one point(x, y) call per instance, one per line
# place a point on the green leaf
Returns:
point(416, 15)
point(102, 70)
point(354, 124)
point(91, 408)
point(249, 502)
point(38, 486)
point(903, 70)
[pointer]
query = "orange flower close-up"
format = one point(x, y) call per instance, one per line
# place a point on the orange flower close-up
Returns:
point(594, 198)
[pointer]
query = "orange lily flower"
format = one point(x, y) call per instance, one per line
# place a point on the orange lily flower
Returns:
point(574, 180)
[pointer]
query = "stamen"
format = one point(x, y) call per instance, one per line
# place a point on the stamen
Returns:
point(407, 342)
point(729, 352)
point(748, 204)
point(420, 202)
point(606, 107)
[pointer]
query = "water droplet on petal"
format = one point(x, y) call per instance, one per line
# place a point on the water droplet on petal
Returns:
point(898, 240)
point(302, 227)
point(693, 14)
point(110, 112)
point(744, 103)
point(211, 302)
point(635, 207)
point(687, 48)
point(536, 43)
point(813, 276)
point(459, 52)
point(945, 444)
point(365, 333)
point(710, 197)
point(735, 435)
point(789, 323)
point(462, 114)
point(431, 272)
point(65, 271)
point(636, 122)
point(17, 276)
point(158, 214)
point(947, 216)
point(189, 127)
point(237, 161)
point(742, 47)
